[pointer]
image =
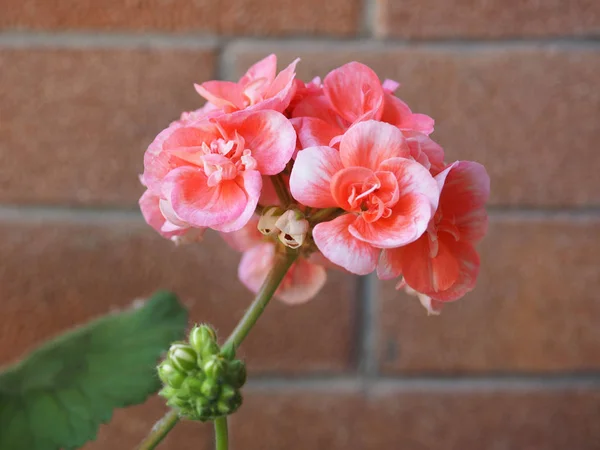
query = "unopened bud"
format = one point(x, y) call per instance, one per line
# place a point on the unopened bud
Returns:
point(228, 351)
point(237, 373)
point(194, 385)
point(170, 375)
point(268, 219)
point(293, 227)
point(214, 367)
point(182, 357)
point(201, 336)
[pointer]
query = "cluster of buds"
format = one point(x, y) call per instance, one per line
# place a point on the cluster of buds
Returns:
point(289, 226)
point(202, 381)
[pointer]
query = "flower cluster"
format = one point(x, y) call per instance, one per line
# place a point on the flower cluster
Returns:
point(202, 381)
point(340, 170)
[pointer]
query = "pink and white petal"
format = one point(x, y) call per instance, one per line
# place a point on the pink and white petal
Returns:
point(224, 94)
point(423, 123)
point(368, 144)
point(413, 178)
point(318, 107)
point(398, 113)
point(466, 188)
point(192, 135)
point(344, 182)
point(407, 223)
point(149, 205)
point(252, 185)
point(426, 274)
point(337, 244)
point(201, 205)
point(255, 265)
point(314, 132)
point(390, 86)
point(310, 181)
point(245, 238)
point(265, 68)
point(473, 226)
point(468, 270)
point(354, 91)
point(284, 81)
point(303, 281)
point(268, 134)
point(390, 264)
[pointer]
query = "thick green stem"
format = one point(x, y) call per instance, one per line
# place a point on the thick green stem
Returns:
point(160, 430)
point(283, 262)
point(221, 438)
point(284, 259)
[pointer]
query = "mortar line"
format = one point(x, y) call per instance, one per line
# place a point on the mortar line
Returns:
point(368, 18)
point(366, 339)
point(22, 39)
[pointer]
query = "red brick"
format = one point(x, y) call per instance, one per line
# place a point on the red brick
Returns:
point(75, 122)
point(59, 273)
point(418, 419)
point(529, 114)
point(486, 18)
point(129, 426)
point(236, 17)
point(535, 308)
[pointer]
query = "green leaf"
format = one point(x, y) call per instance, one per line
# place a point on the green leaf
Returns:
point(59, 395)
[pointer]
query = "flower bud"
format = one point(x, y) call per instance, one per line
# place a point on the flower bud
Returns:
point(194, 385)
point(293, 227)
point(214, 367)
point(171, 376)
point(268, 220)
point(228, 352)
point(201, 336)
point(210, 389)
point(182, 357)
point(237, 373)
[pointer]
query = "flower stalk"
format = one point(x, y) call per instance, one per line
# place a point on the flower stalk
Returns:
point(283, 261)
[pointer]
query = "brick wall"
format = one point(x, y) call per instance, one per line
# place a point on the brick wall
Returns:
point(85, 85)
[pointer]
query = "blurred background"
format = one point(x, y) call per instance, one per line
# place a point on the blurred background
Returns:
point(85, 85)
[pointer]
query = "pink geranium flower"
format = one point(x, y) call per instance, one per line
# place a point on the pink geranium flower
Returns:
point(387, 198)
point(350, 94)
point(302, 281)
point(443, 265)
point(209, 171)
point(259, 88)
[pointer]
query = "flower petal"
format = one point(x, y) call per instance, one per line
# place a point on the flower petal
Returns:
point(355, 92)
point(368, 144)
point(245, 238)
point(397, 113)
point(268, 134)
point(255, 265)
point(252, 184)
point(224, 94)
point(313, 132)
point(265, 68)
point(201, 205)
point(390, 264)
point(340, 247)
point(310, 182)
point(303, 281)
point(344, 183)
point(426, 274)
point(413, 178)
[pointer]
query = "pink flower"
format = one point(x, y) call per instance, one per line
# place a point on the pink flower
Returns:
point(301, 283)
point(351, 94)
point(259, 88)
point(388, 199)
point(443, 264)
point(209, 171)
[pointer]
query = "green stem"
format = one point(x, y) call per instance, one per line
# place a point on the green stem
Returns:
point(323, 215)
point(160, 430)
point(283, 261)
point(281, 189)
point(221, 439)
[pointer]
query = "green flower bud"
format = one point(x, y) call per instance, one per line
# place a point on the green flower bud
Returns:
point(194, 385)
point(200, 336)
point(236, 373)
point(210, 389)
point(227, 393)
point(223, 408)
point(210, 349)
point(182, 357)
point(176, 402)
point(170, 375)
point(214, 367)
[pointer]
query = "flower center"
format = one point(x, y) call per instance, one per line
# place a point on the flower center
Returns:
point(365, 198)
